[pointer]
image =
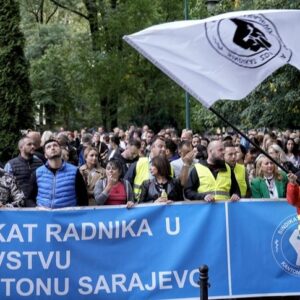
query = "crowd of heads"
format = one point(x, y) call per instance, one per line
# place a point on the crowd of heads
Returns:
point(282, 146)
point(263, 154)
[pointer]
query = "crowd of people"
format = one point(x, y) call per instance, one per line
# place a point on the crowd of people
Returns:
point(128, 167)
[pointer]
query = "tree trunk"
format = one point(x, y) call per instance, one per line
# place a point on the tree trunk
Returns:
point(92, 17)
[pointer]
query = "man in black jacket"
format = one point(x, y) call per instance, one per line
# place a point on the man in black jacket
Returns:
point(22, 166)
point(212, 180)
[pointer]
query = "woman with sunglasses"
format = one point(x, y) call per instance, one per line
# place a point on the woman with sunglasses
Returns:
point(113, 190)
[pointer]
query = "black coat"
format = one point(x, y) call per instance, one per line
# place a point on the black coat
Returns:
point(151, 190)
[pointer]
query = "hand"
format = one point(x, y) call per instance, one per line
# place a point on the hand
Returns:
point(130, 204)
point(189, 157)
point(235, 197)
point(111, 181)
point(209, 198)
point(292, 178)
point(163, 200)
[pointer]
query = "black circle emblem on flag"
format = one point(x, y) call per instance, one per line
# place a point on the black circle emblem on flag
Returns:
point(249, 41)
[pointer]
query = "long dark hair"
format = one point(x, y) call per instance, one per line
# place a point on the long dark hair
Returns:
point(295, 148)
point(163, 166)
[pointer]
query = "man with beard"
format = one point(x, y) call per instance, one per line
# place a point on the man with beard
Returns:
point(22, 166)
point(212, 180)
point(129, 155)
point(239, 170)
point(35, 136)
point(139, 171)
point(57, 184)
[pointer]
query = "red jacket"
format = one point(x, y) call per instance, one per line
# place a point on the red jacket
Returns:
point(293, 195)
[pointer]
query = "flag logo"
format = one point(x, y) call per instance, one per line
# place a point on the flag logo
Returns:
point(249, 41)
point(286, 246)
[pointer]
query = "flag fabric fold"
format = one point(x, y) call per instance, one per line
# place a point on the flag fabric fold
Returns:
point(225, 56)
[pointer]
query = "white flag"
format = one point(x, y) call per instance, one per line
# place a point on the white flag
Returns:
point(222, 57)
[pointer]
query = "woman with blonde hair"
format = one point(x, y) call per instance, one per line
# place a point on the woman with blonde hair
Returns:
point(276, 152)
point(47, 135)
point(91, 171)
point(269, 182)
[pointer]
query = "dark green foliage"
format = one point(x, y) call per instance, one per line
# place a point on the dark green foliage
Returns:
point(85, 80)
point(275, 103)
point(16, 103)
point(84, 75)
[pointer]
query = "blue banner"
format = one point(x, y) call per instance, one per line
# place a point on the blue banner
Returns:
point(264, 244)
point(149, 251)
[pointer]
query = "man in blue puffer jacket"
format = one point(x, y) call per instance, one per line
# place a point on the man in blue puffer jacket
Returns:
point(57, 184)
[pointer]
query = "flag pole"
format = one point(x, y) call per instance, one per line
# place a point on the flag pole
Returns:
point(249, 140)
point(187, 96)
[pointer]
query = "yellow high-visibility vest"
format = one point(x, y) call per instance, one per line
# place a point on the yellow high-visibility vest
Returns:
point(219, 187)
point(142, 173)
point(240, 175)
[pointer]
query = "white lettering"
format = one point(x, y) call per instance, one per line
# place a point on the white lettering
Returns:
point(163, 279)
point(153, 281)
point(25, 287)
point(177, 226)
point(28, 287)
point(121, 283)
point(71, 233)
point(144, 228)
point(108, 231)
point(181, 282)
point(85, 227)
point(53, 230)
point(14, 258)
point(7, 282)
point(101, 285)
point(45, 286)
point(2, 239)
point(118, 280)
point(192, 278)
point(66, 288)
point(14, 233)
point(29, 255)
point(30, 231)
point(128, 228)
point(111, 230)
point(84, 282)
point(135, 282)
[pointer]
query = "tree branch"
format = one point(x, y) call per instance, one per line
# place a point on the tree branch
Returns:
point(69, 9)
point(52, 14)
point(30, 9)
point(41, 11)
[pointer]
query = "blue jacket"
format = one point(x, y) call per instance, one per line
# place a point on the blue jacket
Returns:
point(56, 190)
